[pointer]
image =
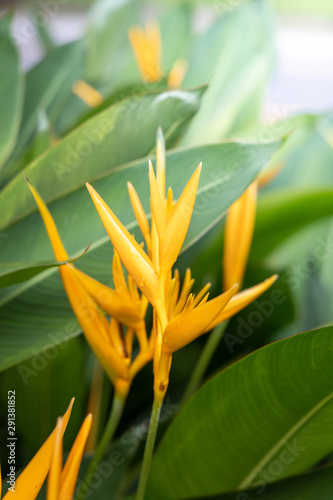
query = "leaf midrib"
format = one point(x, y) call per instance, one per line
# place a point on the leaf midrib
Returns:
point(282, 441)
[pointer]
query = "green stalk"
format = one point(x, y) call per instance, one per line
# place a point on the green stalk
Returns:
point(205, 358)
point(117, 409)
point(148, 454)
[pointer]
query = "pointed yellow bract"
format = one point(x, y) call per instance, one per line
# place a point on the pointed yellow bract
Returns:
point(53, 482)
point(87, 93)
point(70, 472)
point(194, 321)
point(131, 254)
point(178, 223)
point(160, 162)
point(157, 204)
point(117, 305)
point(177, 73)
point(147, 48)
point(139, 214)
point(90, 301)
point(238, 236)
point(179, 316)
point(30, 481)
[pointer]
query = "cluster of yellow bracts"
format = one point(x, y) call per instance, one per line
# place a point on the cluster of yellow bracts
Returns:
point(110, 318)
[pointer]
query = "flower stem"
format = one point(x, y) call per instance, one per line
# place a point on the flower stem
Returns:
point(205, 358)
point(148, 454)
point(117, 409)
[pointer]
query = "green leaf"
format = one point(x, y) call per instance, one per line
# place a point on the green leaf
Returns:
point(309, 144)
point(232, 103)
point(175, 27)
point(110, 60)
point(44, 387)
point(120, 134)
point(264, 418)
point(11, 95)
point(47, 86)
point(254, 326)
point(314, 484)
point(43, 139)
point(12, 273)
point(228, 169)
point(280, 214)
point(317, 309)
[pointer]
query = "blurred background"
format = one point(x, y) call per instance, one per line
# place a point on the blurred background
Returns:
point(303, 76)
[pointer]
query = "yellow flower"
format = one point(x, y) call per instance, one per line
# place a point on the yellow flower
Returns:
point(177, 319)
point(177, 73)
point(48, 460)
point(87, 93)
point(193, 319)
point(147, 48)
point(89, 298)
point(238, 236)
point(179, 316)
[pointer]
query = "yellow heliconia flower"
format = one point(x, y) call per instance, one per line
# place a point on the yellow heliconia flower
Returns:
point(147, 48)
point(238, 234)
point(177, 73)
point(48, 460)
point(89, 299)
point(87, 93)
point(194, 319)
point(179, 317)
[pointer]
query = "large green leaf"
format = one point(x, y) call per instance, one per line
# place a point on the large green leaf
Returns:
point(11, 95)
point(232, 103)
point(311, 486)
point(309, 144)
point(12, 273)
point(47, 87)
point(280, 214)
point(44, 387)
point(110, 60)
point(30, 311)
point(122, 133)
point(264, 418)
point(175, 27)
